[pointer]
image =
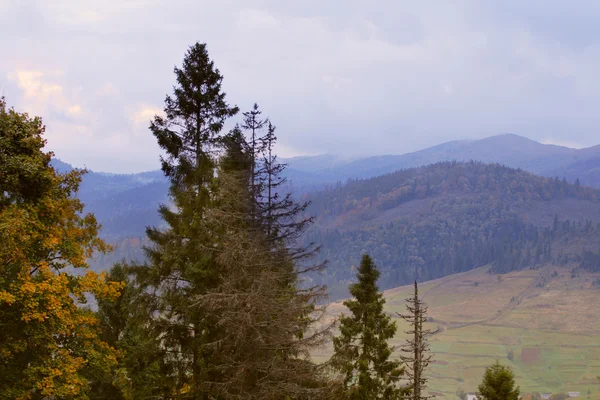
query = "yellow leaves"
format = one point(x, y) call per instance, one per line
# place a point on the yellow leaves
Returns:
point(47, 339)
point(6, 297)
point(97, 284)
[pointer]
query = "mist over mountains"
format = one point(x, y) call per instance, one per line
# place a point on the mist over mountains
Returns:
point(511, 150)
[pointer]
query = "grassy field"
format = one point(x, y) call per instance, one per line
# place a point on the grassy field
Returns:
point(544, 324)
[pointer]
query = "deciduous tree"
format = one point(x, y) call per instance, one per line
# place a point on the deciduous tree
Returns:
point(49, 344)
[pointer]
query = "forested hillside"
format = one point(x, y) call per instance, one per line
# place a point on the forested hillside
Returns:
point(451, 217)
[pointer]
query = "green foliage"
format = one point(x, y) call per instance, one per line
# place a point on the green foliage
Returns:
point(49, 343)
point(559, 396)
point(181, 265)
point(361, 351)
point(498, 384)
point(142, 371)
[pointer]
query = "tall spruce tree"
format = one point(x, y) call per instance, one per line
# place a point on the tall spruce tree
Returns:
point(498, 384)
point(417, 356)
point(361, 351)
point(182, 258)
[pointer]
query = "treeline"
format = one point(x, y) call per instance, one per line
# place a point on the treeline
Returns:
point(499, 184)
point(220, 309)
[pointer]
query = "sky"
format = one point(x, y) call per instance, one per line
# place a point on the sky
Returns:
point(346, 77)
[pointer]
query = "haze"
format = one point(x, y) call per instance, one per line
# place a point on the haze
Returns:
point(356, 78)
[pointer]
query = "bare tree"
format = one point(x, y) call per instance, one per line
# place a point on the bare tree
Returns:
point(417, 349)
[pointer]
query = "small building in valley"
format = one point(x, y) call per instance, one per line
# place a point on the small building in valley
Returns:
point(574, 394)
point(472, 396)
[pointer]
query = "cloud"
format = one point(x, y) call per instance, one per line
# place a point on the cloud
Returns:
point(144, 115)
point(563, 143)
point(353, 79)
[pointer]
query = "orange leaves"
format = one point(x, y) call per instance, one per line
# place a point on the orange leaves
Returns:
point(97, 284)
point(47, 338)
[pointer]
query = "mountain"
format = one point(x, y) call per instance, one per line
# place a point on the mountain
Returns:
point(428, 222)
point(124, 204)
point(508, 149)
point(541, 322)
point(363, 212)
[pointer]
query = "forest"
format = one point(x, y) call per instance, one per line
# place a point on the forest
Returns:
point(429, 222)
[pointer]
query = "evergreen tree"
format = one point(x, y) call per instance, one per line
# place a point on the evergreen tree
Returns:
point(142, 371)
point(254, 124)
point(181, 260)
point(417, 346)
point(262, 349)
point(361, 351)
point(498, 384)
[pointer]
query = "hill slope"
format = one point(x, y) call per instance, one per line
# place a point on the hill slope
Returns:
point(446, 218)
point(124, 204)
point(543, 323)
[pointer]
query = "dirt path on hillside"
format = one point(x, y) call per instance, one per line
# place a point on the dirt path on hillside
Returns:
point(506, 308)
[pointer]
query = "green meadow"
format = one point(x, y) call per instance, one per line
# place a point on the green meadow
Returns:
point(543, 323)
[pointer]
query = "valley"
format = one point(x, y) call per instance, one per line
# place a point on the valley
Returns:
point(541, 322)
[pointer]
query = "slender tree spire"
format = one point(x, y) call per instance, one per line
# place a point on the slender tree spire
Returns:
point(417, 356)
point(253, 124)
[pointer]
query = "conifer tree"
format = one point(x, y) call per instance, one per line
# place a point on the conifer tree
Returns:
point(262, 349)
point(361, 351)
point(498, 384)
point(417, 356)
point(142, 371)
point(181, 260)
point(254, 124)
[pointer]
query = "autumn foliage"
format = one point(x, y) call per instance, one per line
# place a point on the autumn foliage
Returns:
point(48, 341)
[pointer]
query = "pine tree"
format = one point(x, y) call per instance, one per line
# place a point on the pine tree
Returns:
point(361, 351)
point(284, 217)
point(181, 260)
point(417, 356)
point(498, 384)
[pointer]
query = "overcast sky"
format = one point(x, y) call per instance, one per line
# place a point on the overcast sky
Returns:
point(346, 77)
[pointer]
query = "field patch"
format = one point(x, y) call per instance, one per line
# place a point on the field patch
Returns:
point(549, 335)
point(530, 355)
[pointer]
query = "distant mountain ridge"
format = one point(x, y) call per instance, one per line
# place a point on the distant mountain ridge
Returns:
point(126, 203)
point(508, 149)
